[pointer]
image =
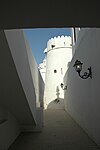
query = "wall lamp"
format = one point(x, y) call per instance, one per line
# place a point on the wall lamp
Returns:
point(78, 68)
point(62, 86)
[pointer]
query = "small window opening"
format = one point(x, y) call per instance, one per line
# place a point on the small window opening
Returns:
point(52, 46)
point(55, 71)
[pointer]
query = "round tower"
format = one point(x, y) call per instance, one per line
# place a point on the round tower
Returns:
point(58, 55)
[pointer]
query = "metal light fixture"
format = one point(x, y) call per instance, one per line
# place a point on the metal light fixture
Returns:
point(63, 87)
point(78, 68)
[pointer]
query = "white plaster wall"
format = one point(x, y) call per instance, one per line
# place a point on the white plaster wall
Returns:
point(57, 59)
point(27, 69)
point(43, 72)
point(77, 30)
point(38, 85)
point(18, 50)
point(16, 114)
point(9, 129)
point(41, 91)
point(34, 71)
point(82, 97)
point(43, 76)
point(42, 69)
point(14, 108)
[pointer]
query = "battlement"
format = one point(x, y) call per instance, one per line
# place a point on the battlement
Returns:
point(59, 41)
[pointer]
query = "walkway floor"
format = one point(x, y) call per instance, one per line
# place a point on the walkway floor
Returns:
point(60, 132)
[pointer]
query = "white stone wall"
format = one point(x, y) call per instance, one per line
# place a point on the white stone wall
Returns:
point(19, 80)
point(28, 73)
point(42, 68)
point(59, 53)
point(82, 97)
point(9, 128)
point(18, 48)
point(74, 36)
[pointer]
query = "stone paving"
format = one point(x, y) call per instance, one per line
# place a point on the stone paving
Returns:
point(60, 132)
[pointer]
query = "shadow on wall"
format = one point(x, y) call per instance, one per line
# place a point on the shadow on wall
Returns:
point(58, 103)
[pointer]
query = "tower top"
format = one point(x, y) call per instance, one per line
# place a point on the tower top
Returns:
point(59, 41)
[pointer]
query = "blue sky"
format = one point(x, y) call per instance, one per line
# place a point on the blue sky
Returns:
point(38, 38)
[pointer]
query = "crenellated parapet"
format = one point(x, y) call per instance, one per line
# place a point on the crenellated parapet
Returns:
point(59, 41)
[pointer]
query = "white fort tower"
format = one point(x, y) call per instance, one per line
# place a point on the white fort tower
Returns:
point(58, 56)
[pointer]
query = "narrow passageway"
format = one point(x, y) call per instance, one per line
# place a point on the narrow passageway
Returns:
point(60, 132)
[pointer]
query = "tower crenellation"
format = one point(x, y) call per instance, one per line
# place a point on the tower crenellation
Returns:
point(59, 41)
